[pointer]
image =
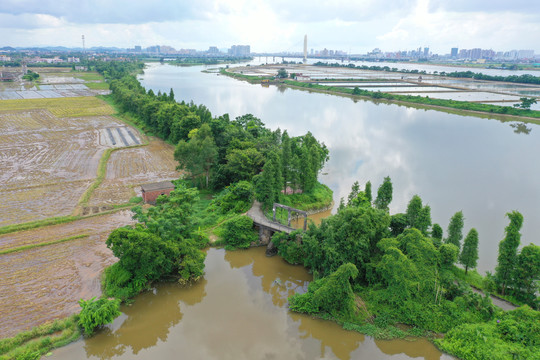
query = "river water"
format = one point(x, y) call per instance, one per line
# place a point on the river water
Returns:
point(453, 162)
point(238, 311)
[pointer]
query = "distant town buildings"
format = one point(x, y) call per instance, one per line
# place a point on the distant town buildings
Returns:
point(240, 50)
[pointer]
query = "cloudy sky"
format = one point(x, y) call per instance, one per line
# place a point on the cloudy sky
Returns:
point(354, 26)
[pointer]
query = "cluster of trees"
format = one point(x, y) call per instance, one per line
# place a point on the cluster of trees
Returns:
point(404, 266)
point(217, 151)
point(164, 243)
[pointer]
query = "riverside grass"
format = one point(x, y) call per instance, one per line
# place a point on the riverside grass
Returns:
point(40, 340)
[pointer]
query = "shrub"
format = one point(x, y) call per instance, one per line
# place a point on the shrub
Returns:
point(289, 247)
point(96, 313)
point(238, 232)
point(237, 198)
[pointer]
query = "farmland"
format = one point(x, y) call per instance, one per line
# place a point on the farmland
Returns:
point(61, 157)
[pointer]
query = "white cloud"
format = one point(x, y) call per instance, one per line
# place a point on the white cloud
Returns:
point(266, 25)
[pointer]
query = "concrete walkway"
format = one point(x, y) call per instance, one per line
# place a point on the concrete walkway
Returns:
point(257, 215)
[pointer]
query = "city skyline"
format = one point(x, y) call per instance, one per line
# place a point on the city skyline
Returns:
point(270, 26)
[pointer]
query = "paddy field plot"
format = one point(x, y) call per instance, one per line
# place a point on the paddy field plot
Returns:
point(49, 151)
point(45, 283)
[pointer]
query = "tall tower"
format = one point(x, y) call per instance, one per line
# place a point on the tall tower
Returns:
point(83, 49)
point(305, 48)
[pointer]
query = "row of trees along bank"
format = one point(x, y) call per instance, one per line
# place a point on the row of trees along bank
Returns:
point(217, 151)
point(374, 270)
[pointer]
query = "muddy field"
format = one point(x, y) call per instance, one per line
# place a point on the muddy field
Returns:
point(129, 168)
point(50, 155)
point(45, 283)
point(50, 150)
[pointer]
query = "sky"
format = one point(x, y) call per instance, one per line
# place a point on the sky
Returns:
point(353, 26)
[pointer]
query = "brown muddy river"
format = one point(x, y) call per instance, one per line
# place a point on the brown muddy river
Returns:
point(238, 311)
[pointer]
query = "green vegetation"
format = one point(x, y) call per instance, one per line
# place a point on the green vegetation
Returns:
point(238, 232)
point(32, 246)
point(40, 340)
point(31, 76)
point(164, 244)
point(96, 313)
point(97, 85)
point(36, 224)
point(397, 274)
point(510, 335)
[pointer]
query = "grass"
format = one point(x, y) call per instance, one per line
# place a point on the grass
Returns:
point(40, 340)
point(97, 85)
point(32, 246)
point(320, 198)
point(38, 223)
point(472, 277)
point(87, 76)
point(101, 173)
point(62, 107)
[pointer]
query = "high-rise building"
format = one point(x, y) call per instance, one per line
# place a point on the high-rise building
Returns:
point(240, 50)
point(454, 53)
point(426, 52)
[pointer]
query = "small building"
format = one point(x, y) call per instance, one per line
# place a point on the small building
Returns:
point(150, 192)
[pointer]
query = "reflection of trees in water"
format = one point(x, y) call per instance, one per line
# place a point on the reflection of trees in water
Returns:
point(521, 128)
point(278, 278)
point(419, 348)
point(329, 334)
point(146, 321)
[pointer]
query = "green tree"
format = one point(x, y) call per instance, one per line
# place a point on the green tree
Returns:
point(455, 229)
point(282, 73)
point(437, 232)
point(424, 220)
point(355, 189)
point(469, 254)
point(286, 158)
point(448, 254)
point(526, 283)
point(367, 191)
point(526, 103)
point(507, 259)
point(413, 211)
point(398, 223)
point(96, 313)
point(384, 195)
point(199, 154)
point(243, 164)
point(331, 295)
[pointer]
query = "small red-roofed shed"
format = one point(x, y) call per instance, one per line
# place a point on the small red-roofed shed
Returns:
point(150, 192)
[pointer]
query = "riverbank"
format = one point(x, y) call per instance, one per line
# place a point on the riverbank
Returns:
point(502, 113)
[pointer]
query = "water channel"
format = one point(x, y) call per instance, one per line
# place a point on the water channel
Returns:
point(239, 310)
point(453, 162)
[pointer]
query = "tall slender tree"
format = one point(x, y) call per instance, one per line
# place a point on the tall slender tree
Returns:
point(413, 211)
point(455, 230)
point(469, 254)
point(384, 195)
point(367, 191)
point(526, 279)
point(507, 260)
